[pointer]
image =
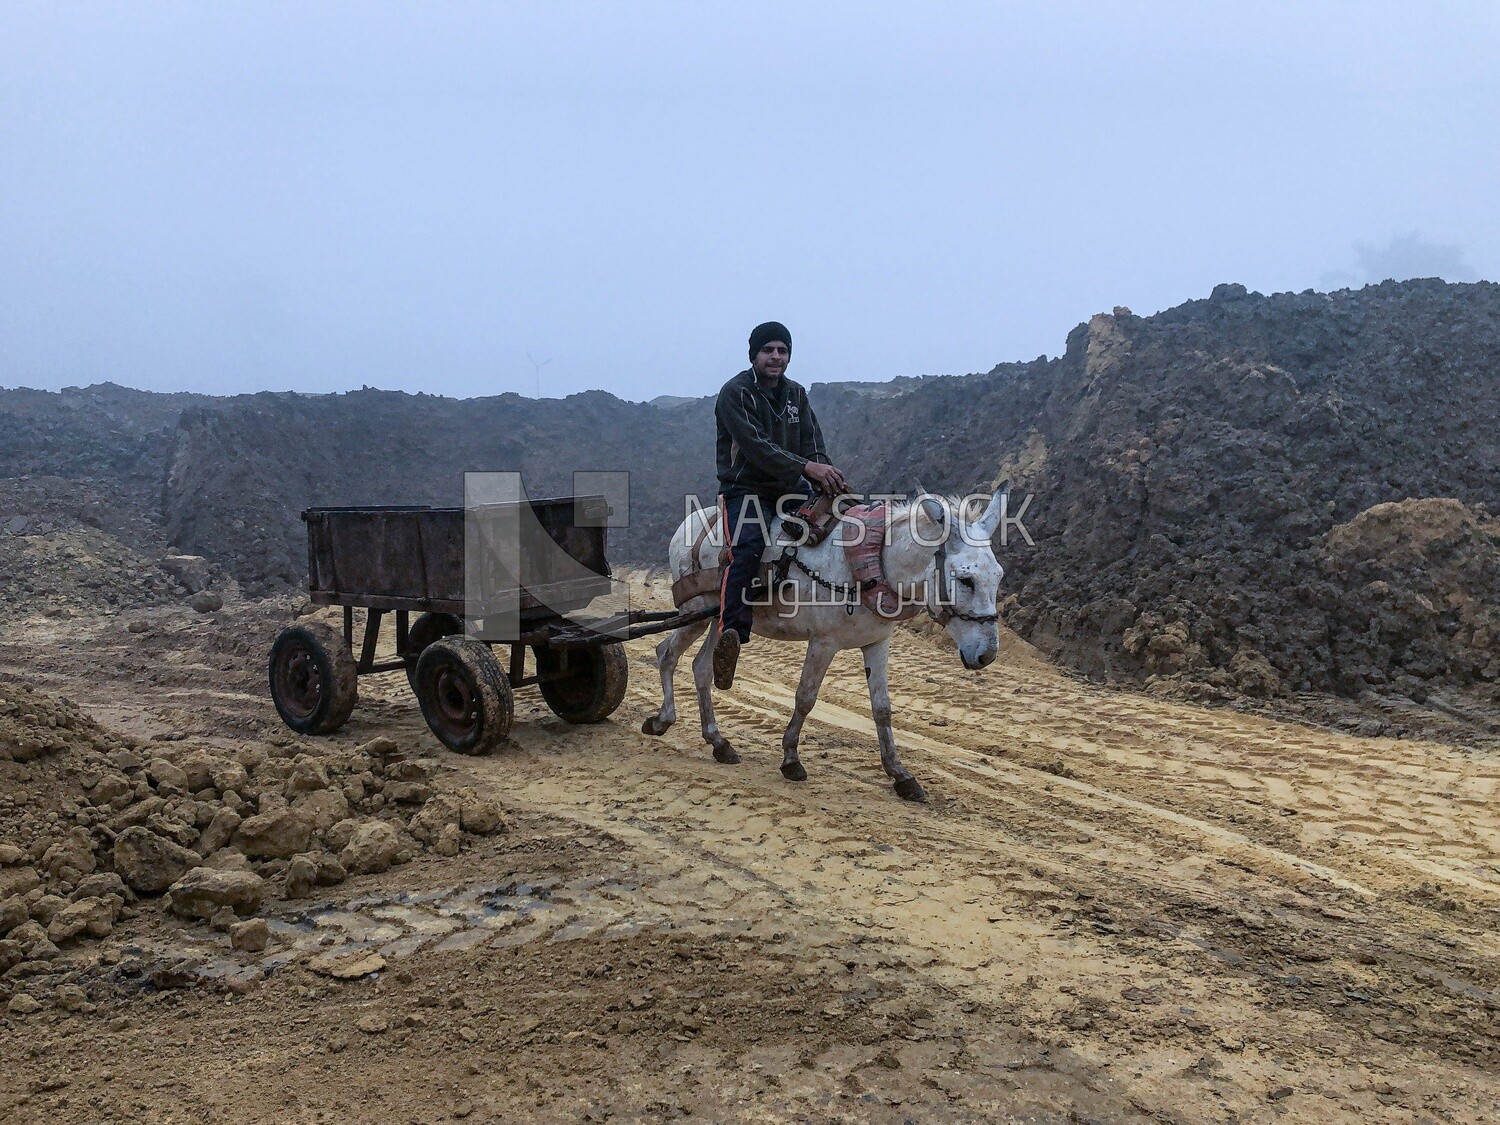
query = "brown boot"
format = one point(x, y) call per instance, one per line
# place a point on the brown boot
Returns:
point(726, 657)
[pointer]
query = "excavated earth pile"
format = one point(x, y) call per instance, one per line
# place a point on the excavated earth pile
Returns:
point(1197, 475)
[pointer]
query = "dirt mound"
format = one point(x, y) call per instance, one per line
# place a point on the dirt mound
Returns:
point(1420, 582)
point(1187, 467)
point(35, 723)
point(95, 821)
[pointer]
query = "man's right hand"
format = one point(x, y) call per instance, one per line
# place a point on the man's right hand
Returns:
point(826, 477)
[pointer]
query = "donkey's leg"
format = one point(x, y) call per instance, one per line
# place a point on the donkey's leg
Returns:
point(877, 659)
point(703, 679)
point(668, 653)
point(814, 668)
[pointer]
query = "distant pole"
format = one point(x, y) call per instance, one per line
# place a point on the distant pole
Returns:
point(536, 369)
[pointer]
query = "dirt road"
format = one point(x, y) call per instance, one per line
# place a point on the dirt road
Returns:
point(1114, 908)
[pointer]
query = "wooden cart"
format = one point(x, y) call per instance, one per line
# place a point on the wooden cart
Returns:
point(410, 560)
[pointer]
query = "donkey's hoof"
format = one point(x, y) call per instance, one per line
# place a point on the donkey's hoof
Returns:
point(908, 790)
point(725, 754)
point(793, 771)
point(654, 725)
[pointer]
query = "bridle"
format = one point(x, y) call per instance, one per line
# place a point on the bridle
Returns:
point(947, 613)
point(850, 592)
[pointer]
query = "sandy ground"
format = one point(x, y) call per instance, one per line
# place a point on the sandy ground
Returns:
point(1114, 908)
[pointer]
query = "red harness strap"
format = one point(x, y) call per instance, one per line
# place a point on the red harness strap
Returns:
point(864, 555)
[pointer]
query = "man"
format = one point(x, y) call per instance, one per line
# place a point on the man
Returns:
point(769, 447)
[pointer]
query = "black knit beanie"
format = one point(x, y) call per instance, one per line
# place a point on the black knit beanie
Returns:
point(765, 333)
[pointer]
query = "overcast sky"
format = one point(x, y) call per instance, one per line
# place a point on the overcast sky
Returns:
point(235, 197)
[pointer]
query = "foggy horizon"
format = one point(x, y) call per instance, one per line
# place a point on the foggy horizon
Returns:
point(469, 200)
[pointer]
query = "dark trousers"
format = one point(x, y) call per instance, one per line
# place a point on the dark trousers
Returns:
point(745, 529)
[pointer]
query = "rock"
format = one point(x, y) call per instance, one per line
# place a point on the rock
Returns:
point(186, 973)
point(309, 870)
point(33, 941)
point(250, 937)
point(190, 570)
point(339, 835)
point(69, 997)
point(220, 831)
point(420, 770)
point(348, 966)
point(167, 776)
point(45, 906)
point(173, 829)
point(279, 834)
point(406, 792)
point(11, 954)
point(18, 881)
point(111, 787)
point(371, 849)
point(373, 1023)
point(102, 885)
point(13, 913)
point(482, 816)
point(379, 748)
point(197, 768)
point(10, 855)
point(224, 919)
point(150, 863)
point(204, 890)
point(428, 824)
point(72, 857)
point(272, 800)
point(206, 601)
point(227, 859)
point(94, 916)
point(301, 877)
point(17, 525)
point(447, 841)
point(227, 776)
point(137, 814)
point(325, 808)
point(22, 1004)
point(307, 776)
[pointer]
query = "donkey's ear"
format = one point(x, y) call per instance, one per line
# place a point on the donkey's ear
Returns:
point(933, 512)
point(987, 524)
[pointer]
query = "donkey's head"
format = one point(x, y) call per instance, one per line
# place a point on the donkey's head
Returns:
point(967, 575)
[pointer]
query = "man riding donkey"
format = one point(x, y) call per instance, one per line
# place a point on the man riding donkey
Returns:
point(769, 448)
point(831, 591)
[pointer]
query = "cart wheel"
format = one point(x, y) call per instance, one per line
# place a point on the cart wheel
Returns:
point(590, 684)
point(313, 682)
point(465, 697)
point(424, 630)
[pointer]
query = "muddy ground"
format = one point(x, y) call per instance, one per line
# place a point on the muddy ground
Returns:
point(1115, 908)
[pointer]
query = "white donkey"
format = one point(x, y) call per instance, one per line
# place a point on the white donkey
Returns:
point(932, 557)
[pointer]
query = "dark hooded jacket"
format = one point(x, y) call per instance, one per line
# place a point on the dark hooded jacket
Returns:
point(765, 435)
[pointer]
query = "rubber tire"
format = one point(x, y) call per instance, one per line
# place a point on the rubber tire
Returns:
point(327, 657)
point(465, 696)
point(595, 684)
point(424, 630)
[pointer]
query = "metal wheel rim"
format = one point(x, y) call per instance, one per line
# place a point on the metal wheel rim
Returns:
point(299, 681)
point(454, 702)
point(575, 687)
